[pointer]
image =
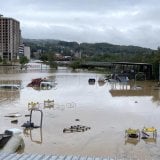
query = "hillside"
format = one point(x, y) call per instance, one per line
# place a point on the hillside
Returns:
point(89, 51)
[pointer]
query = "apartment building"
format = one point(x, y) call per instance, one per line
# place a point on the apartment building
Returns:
point(10, 37)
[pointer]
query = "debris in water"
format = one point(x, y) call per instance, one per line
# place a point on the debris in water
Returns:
point(13, 115)
point(27, 115)
point(78, 128)
point(14, 121)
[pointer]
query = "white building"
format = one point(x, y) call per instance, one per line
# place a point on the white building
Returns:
point(27, 52)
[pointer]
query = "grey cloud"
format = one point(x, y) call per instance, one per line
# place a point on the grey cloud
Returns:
point(126, 22)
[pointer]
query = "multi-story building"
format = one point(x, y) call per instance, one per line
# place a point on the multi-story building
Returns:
point(24, 51)
point(10, 37)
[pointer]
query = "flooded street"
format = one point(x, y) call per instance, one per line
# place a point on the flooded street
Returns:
point(109, 109)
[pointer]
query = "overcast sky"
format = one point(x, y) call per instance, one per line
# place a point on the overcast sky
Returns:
point(123, 22)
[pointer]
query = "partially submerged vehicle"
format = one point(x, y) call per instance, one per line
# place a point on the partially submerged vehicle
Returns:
point(91, 80)
point(10, 87)
point(41, 83)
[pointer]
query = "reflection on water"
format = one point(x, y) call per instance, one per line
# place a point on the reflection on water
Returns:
point(150, 140)
point(35, 135)
point(9, 95)
point(108, 108)
point(135, 89)
point(133, 141)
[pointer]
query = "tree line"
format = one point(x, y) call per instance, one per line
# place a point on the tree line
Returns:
point(105, 52)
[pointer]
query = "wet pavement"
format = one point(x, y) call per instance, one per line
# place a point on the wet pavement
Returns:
point(107, 108)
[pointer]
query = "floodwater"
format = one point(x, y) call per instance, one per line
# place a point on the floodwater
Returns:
point(108, 108)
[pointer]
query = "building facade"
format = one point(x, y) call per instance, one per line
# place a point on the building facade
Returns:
point(10, 38)
point(27, 52)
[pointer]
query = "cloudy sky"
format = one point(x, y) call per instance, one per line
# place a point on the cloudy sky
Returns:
point(123, 22)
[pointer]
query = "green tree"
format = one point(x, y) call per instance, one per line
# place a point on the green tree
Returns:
point(51, 60)
point(44, 57)
point(23, 60)
point(0, 59)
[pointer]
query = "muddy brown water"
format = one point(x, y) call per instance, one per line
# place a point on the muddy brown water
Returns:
point(109, 109)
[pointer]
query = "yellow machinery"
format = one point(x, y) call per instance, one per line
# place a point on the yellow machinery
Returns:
point(147, 131)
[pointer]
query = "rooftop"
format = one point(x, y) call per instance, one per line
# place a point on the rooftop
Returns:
point(7, 156)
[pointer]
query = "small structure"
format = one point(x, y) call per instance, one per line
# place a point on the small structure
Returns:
point(132, 133)
point(30, 124)
point(48, 103)
point(132, 136)
point(40, 120)
point(148, 131)
point(33, 105)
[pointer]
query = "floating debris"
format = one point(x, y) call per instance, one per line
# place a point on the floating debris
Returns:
point(13, 115)
point(78, 128)
point(28, 124)
point(77, 119)
point(14, 121)
point(27, 115)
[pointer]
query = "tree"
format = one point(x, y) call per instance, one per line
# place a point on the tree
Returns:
point(51, 60)
point(44, 57)
point(23, 60)
point(0, 59)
